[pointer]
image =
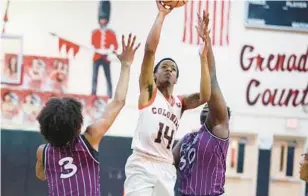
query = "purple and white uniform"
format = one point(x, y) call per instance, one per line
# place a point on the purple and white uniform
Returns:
point(202, 164)
point(72, 170)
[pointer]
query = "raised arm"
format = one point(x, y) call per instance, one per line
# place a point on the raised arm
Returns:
point(218, 111)
point(146, 79)
point(96, 131)
point(194, 100)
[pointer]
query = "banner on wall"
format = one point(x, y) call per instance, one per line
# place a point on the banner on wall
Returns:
point(37, 73)
point(21, 107)
point(45, 74)
point(11, 70)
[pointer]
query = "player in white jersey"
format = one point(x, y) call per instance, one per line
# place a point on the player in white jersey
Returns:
point(150, 170)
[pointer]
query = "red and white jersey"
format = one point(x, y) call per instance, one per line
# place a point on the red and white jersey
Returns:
point(157, 126)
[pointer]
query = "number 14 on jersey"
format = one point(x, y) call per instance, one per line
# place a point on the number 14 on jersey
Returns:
point(164, 130)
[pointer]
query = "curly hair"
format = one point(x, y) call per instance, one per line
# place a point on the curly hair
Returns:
point(205, 111)
point(61, 120)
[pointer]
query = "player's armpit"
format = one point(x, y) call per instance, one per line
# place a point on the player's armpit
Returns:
point(147, 96)
point(39, 167)
point(97, 130)
point(176, 151)
point(191, 101)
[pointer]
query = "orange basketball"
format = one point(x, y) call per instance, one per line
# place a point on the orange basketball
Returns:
point(173, 3)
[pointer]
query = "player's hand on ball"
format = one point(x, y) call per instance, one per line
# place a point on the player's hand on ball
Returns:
point(128, 50)
point(204, 33)
point(162, 8)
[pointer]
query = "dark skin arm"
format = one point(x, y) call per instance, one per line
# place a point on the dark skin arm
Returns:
point(217, 120)
point(196, 99)
point(146, 79)
point(39, 167)
point(176, 153)
point(97, 130)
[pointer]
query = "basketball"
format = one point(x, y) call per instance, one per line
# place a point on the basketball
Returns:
point(173, 3)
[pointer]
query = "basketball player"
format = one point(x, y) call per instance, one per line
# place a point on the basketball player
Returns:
point(69, 161)
point(304, 168)
point(200, 157)
point(150, 170)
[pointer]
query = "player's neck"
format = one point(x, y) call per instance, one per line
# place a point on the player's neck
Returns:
point(166, 91)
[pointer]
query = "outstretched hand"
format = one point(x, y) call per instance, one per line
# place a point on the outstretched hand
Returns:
point(204, 33)
point(163, 8)
point(128, 50)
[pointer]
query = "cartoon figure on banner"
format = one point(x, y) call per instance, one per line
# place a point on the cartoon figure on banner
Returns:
point(10, 106)
point(11, 70)
point(58, 76)
point(104, 40)
point(97, 107)
point(35, 73)
point(31, 107)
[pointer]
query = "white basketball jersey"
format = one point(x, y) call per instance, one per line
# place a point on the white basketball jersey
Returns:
point(157, 126)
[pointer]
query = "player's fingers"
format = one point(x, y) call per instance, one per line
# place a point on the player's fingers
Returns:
point(133, 43)
point(129, 40)
point(123, 42)
point(204, 16)
point(199, 18)
point(207, 20)
point(136, 48)
point(198, 31)
point(199, 25)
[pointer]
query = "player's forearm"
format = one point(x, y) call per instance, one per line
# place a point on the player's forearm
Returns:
point(39, 171)
point(215, 89)
point(205, 81)
point(154, 35)
point(122, 86)
point(211, 63)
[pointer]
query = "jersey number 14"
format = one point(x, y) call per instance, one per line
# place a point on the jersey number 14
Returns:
point(164, 130)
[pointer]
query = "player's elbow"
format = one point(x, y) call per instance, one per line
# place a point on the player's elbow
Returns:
point(40, 176)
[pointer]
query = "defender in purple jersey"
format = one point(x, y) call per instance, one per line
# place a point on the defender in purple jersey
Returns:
point(200, 157)
point(69, 161)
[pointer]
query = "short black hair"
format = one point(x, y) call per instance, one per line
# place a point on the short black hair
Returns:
point(167, 59)
point(61, 120)
point(205, 111)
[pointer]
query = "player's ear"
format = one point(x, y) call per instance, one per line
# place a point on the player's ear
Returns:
point(155, 77)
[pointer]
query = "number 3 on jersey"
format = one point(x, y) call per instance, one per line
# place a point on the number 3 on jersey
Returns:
point(165, 129)
point(67, 163)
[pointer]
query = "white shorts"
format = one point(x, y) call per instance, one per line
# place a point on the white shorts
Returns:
point(148, 177)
